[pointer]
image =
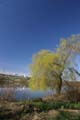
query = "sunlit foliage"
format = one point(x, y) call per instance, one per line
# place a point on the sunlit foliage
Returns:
point(47, 68)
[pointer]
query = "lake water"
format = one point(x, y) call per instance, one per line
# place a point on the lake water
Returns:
point(23, 93)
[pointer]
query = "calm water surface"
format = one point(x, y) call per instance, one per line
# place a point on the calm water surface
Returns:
point(23, 93)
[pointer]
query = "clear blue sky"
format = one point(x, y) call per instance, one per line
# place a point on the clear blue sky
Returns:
point(26, 26)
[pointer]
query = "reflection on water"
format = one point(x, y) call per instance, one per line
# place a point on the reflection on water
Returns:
point(22, 93)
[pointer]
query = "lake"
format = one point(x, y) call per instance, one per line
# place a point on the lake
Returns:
point(23, 93)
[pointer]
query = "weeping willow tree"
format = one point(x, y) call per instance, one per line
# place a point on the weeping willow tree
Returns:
point(48, 67)
point(45, 70)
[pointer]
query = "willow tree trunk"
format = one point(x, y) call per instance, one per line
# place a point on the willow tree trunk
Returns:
point(59, 86)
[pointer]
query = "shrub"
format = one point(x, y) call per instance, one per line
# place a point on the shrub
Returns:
point(73, 93)
point(8, 94)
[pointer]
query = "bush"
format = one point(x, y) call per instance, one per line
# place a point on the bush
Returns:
point(73, 93)
point(8, 94)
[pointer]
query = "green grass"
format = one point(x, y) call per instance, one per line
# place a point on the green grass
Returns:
point(45, 106)
point(56, 105)
point(42, 107)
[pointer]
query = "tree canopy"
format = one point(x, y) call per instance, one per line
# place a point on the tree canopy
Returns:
point(48, 67)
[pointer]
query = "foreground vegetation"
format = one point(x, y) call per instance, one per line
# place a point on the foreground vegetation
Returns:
point(39, 110)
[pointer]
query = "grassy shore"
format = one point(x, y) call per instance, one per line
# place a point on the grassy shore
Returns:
point(39, 110)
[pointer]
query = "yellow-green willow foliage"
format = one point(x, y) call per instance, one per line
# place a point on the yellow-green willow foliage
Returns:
point(47, 67)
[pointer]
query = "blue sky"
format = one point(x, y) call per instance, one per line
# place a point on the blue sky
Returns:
point(26, 26)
